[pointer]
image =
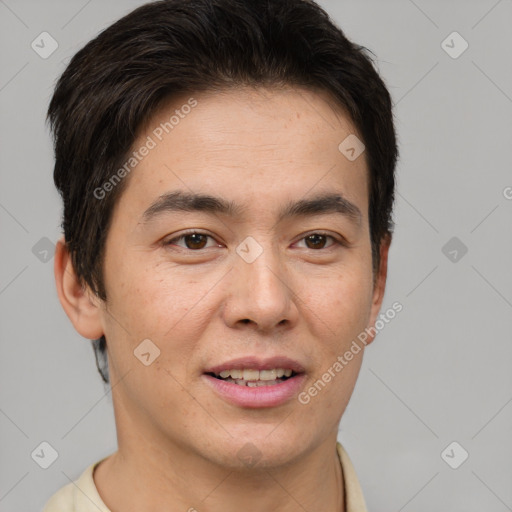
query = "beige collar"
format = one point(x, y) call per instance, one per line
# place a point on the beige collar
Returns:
point(82, 495)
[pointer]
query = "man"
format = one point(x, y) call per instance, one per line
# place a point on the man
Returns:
point(227, 172)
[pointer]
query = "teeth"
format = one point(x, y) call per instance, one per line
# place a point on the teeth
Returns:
point(251, 375)
point(255, 375)
point(268, 374)
point(255, 383)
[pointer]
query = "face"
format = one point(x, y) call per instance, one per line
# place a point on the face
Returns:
point(272, 272)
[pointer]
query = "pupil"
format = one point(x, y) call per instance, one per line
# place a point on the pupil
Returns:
point(315, 240)
point(196, 239)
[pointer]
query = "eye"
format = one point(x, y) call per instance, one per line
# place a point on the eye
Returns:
point(193, 240)
point(196, 240)
point(318, 241)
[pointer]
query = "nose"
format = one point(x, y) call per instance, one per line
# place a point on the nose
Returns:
point(260, 293)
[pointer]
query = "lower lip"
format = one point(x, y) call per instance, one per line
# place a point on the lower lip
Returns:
point(259, 396)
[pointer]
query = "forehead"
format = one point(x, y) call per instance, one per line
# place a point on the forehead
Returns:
point(247, 145)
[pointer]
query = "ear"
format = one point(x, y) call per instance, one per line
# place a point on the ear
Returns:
point(80, 304)
point(379, 286)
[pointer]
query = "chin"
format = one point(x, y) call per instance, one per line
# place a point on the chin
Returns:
point(261, 450)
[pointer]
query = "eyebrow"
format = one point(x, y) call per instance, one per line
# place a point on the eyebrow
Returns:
point(180, 201)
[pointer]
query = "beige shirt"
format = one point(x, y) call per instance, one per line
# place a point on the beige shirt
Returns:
point(82, 495)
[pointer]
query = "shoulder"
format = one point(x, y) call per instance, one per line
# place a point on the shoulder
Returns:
point(80, 495)
point(353, 493)
point(61, 501)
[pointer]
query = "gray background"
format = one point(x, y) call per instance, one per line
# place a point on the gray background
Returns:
point(438, 373)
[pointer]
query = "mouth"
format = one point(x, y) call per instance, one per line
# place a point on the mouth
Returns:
point(250, 382)
point(254, 378)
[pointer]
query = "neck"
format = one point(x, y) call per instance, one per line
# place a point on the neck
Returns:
point(148, 478)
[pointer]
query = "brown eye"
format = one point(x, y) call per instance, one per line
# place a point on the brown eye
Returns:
point(193, 241)
point(315, 241)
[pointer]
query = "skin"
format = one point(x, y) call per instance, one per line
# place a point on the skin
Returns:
point(178, 441)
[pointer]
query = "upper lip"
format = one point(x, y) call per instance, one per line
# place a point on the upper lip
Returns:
point(257, 363)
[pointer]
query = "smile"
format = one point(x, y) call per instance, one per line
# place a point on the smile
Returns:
point(255, 378)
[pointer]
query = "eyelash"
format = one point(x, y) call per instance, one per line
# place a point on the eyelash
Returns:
point(335, 241)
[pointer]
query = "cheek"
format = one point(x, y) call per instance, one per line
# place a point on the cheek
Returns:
point(157, 298)
point(342, 303)
point(172, 313)
point(340, 309)
point(146, 303)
